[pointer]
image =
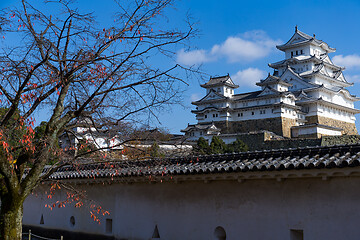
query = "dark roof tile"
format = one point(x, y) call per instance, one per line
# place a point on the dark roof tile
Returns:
point(288, 159)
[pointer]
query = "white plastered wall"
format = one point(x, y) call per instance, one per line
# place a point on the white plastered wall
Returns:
point(254, 209)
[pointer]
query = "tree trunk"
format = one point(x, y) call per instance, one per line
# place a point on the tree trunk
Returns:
point(11, 219)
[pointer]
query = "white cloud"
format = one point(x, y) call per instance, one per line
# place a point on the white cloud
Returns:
point(194, 57)
point(195, 97)
point(349, 61)
point(245, 47)
point(248, 77)
point(352, 78)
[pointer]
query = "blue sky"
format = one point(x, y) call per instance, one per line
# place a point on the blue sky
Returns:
point(244, 34)
point(239, 38)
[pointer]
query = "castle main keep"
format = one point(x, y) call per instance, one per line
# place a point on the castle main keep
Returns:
point(305, 96)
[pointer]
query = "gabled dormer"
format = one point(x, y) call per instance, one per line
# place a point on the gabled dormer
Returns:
point(274, 82)
point(210, 97)
point(222, 85)
point(303, 44)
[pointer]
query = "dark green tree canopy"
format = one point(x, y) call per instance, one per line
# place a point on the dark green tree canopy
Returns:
point(218, 146)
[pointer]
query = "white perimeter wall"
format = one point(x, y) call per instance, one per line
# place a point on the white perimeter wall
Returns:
point(254, 209)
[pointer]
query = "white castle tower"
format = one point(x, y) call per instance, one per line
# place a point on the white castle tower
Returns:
point(306, 96)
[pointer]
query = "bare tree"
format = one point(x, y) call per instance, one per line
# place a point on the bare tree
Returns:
point(62, 61)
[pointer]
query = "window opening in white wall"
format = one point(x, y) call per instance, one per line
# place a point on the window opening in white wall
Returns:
point(108, 225)
point(156, 234)
point(296, 234)
point(220, 233)
point(72, 221)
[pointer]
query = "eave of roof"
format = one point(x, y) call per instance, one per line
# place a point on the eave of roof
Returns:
point(343, 83)
point(320, 100)
point(318, 125)
point(306, 39)
point(325, 157)
point(217, 81)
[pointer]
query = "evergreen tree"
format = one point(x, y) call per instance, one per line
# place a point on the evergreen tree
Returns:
point(237, 146)
point(202, 147)
point(217, 145)
point(154, 151)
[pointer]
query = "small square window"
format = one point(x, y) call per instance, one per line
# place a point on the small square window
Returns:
point(296, 234)
point(108, 225)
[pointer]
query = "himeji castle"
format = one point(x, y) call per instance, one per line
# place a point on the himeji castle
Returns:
point(304, 97)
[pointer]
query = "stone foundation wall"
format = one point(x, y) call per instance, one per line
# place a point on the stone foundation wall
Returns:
point(280, 126)
point(287, 123)
point(348, 128)
point(340, 140)
point(261, 141)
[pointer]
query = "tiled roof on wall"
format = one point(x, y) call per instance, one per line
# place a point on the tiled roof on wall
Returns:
point(339, 156)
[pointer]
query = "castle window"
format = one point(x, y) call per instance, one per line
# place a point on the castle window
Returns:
point(252, 113)
point(296, 234)
point(297, 53)
point(240, 114)
point(301, 51)
point(292, 54)
point(42, 219)
point(220, 233)
point(205, 116)
point(226, 90)
point(108, 225)
point(72, 221)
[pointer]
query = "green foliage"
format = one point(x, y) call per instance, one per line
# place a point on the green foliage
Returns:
point(14, 130)
point(202, 146)
point(237, 146)
point(154, 151)
point(40, 130)
point(217, 146)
